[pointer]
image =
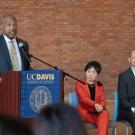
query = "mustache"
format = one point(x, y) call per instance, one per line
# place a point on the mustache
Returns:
point(13, 32)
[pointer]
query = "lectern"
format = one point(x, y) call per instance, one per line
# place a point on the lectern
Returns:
point(10, 88)
point(23, 94)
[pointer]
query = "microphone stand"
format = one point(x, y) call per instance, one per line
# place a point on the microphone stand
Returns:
point(55, 67)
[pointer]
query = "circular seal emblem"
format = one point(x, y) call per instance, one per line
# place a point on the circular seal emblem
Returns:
point(39, 97)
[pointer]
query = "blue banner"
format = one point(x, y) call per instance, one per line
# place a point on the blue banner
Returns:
point(38, 88)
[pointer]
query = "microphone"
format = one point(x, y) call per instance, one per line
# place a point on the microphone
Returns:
point(24, 52)
point(55, 67)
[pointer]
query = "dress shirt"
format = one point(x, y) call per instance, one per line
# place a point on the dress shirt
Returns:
point(133, 69)
point(13, 41)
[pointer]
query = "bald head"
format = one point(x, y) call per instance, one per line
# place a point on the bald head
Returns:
point(131, 59)
point(132, 53)
point(6, 18)
point(9, 26)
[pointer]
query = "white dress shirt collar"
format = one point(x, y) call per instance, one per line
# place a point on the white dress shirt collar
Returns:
point(8, 40)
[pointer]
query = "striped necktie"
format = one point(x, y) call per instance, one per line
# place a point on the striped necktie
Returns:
point(14, 58)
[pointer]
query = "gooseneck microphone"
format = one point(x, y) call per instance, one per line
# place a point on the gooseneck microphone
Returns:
point(55, 67)
point(24, 52)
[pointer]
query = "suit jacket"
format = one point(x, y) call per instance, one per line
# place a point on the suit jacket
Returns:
point(85, 103)
point(126, 90)
point(5, 61)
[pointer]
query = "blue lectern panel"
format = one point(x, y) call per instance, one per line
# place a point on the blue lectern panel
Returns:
point(38, 88)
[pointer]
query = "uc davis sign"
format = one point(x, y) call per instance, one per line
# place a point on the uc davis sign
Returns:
point(39, 88)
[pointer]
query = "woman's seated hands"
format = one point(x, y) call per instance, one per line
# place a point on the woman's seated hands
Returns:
point(99, 108)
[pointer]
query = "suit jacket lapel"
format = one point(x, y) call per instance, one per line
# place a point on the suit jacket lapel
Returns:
point(86, 89)
point(5, 51)
point(131, 74)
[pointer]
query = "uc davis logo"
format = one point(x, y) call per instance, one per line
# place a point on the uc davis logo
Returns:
point(39, 97)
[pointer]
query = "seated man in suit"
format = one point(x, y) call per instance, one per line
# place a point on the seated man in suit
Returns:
point(13, 51)
point(126, 93)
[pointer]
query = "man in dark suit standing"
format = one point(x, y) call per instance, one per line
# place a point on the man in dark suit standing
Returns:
point(13, 51)
point(126, 93)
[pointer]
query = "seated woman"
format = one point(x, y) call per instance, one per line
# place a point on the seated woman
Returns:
point(92, 104)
